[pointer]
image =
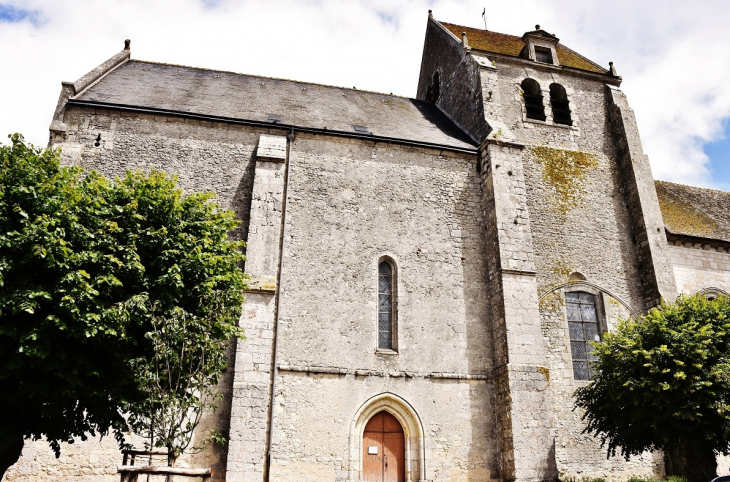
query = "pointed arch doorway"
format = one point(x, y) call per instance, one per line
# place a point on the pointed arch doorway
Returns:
point(415, 453)
point(383, 444)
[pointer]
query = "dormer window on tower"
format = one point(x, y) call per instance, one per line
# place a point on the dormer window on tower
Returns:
point(540, 46)
point(543, 55)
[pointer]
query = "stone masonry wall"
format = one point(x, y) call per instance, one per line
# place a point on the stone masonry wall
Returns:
point(579, 220)
point(350, 203)
point(578, 454)
point(698, 267)
point(581, 223)
point(254, 358)
point(524, 415)
point(314, 414)
point(205, 157)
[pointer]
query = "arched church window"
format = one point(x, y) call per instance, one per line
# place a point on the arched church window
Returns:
point(533, 99)
point(560, 104)
point(583, 327)
point(386, 305)
point(712, 293)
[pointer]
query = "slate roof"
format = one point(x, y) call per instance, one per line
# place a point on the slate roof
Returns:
point(239, 96)
point(694, 211)
point(501, 43)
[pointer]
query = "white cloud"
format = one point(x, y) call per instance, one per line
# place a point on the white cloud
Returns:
point(673, 58)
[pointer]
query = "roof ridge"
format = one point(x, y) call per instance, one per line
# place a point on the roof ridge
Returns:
point(275, 78)
point(443, 27)
point(484, 30)
point(491, 41)
point(659, 181)
point(583, 57)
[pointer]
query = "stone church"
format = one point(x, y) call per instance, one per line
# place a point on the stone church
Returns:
point(426, 273)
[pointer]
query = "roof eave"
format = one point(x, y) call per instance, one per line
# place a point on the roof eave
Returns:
point(695, 239)
point(607, 77)
point(271, 125)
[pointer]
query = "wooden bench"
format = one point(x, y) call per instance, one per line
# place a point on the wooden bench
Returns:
point(129, 456)
point(130, 472)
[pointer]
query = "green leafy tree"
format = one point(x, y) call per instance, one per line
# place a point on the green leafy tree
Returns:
point(86, 267)
point(179, 380)
point(663, 382)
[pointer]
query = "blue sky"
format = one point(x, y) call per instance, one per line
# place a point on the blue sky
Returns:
point(675, 65)
point(10, 13)
point(718, 151)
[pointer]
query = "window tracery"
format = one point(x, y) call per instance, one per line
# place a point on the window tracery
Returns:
point(583, 328)
point(386, 305)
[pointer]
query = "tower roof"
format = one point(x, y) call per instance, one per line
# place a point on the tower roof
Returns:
point(500, 43)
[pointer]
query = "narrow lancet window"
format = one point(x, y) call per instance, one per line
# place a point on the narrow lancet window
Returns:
point(386, 303)
point(583, 326)
point(560, 104)
point(533, 99)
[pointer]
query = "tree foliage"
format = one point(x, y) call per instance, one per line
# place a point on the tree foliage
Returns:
point(179, 380)
point(662, 382)
point(86, 267)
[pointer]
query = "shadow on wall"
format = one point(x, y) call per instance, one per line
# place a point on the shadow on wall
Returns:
point(483, 456)
point(241, 202)
point(216, 456)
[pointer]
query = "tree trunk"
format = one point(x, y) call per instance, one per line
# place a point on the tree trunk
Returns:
point(694, 463)
point(171, 459)
point(9, 454)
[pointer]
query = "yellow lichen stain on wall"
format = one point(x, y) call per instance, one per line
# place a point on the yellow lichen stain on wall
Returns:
point(545, 372)
point(562, 269)
point(270, 285)
point(551, 302)
point(565, 171)
point(550, 299)
point(285, 471)
point(260, 283)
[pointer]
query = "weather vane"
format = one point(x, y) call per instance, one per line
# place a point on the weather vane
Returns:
point(484, 16)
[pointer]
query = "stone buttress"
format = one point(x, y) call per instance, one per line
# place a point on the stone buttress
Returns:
point(247, 449)
point(521, 375)
point(641, 199)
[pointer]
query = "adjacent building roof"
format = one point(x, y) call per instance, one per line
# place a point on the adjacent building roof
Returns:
point(694, 211)
point(225, 94)
point(501, 43)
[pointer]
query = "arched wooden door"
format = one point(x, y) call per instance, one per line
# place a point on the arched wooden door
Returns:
point(383, 447)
